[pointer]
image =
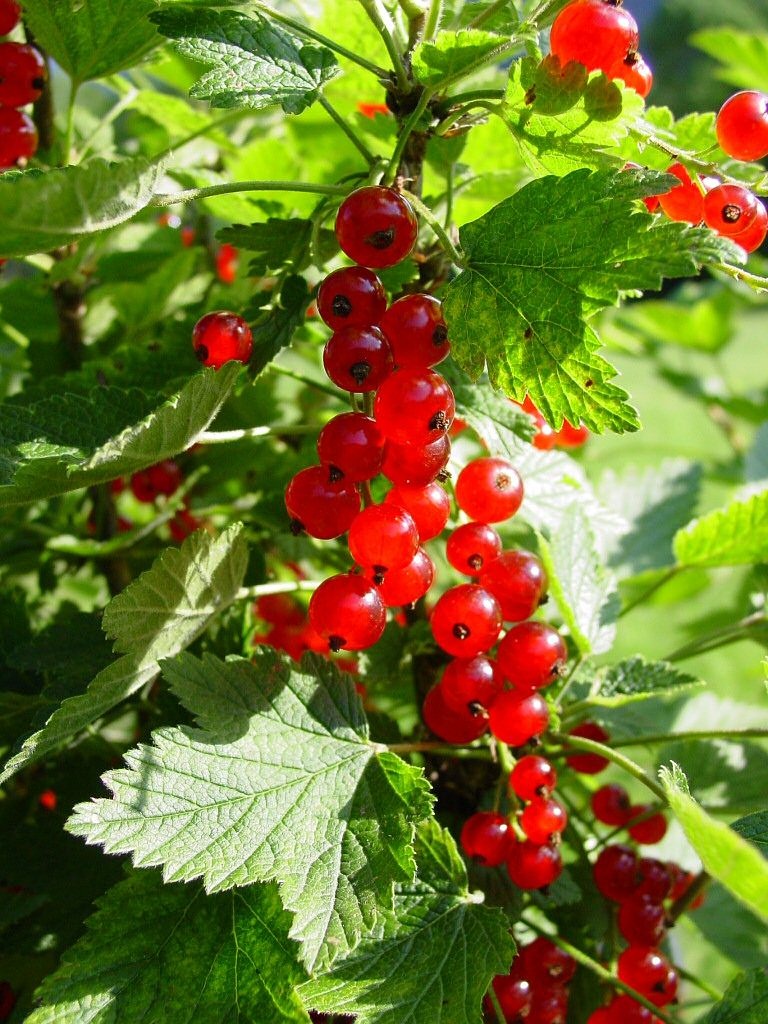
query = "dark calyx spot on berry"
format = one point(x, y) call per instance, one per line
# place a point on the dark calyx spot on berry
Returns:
point(528, 333)
point(379, 572)
point(730, 213)
point(202, 352)
point(359, 372)
point(341, 305)
point(543, 600)
point(381, 239)
point(632, 58)
point(336, 643)
point(475, 561)
point(502, 482)
point(476, 709)
point(440, 335)
point(335, 474)
point(543, 791)
point(460, 631)
point(439, 421)
point(443, 475)
point(38, 83)
point(296, 527)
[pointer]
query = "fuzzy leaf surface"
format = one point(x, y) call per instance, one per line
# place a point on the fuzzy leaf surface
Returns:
point(636, 679)
point(735, 535)
point(171, 953)
point(157, 616)
point(279, 783)
point(452, 947)
point(452, 53)
point(253, 62)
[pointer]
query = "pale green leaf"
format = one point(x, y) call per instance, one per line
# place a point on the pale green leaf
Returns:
point(735, 535)
point(157, 616)
point(745, 1001)
point(433, 956)
point(756, 464)
point(280, 782)
point(452, 53)
point(742, 56)
point(171, 953)
point(637, 679)
point(733, 861)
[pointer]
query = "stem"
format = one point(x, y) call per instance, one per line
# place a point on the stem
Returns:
point(664, 578)
point(629, 766)
point(757, 283)
point(282, 587)
point(383, 26)
point(231, 115)
point(69, 130)
point(431, 747)
point(432, 23)
point(701, 734)
point(347, 129)
point(506, 760)
point(569, 679)
point(690, 158)
point(366, 493)
point(436, 226)
point(718, 638)
point(406, 129)
point(483, 16)
point(109, 118)
point(711, 991)
point(500, 1017)
point(191, 194)
point(286, 371)
point(225, 436)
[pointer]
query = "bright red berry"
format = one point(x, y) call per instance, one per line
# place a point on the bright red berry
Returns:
point(569, 436)
point(615, 872)
point(685, 201)
point(543, 819)
point(226, 263)
point(651, 830)
point(642, 922)
point(533, 776)
point(18, 137)
point(546, 964)
point(10, 15)
point(450, 725)
point(472, 546)
point(533, 867)
point(655, 879)
point(601, 1015)
point(353, 444)
point(650, 973)
point(183, 524)
point(347, 611)
point(48, 800)
point(376, 226)
point(626, 1010)
point(487, 837)
point(383, 537)
point(549, 1005)
point(320, 503)
point(351, 297)
point(414, 406)
point(610, 804)
point(279, 610)
point(162, 478)
point(515, 719)
point(742, 125)
point(594, 33)
point(22, 74)
point(753, 237)
point(221, 336)
point(518, 582)
point(730, 209)
point(413, 465)
point(587, 763)
point(357, 358)
point(489, 490)
point(415, 328)
point(405, 586)
point(633, 72)
point(466, 620)
point(531, 655)
point(514, 995)
point(471, 683)
point(429, 506)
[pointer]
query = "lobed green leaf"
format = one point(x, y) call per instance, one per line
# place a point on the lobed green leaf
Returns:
point(745, 1000)
point(735, 535)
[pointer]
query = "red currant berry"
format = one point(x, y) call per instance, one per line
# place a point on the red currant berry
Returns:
point(742, 125)
point(351, 297)
point(226, 263)
point(48, 800)
point(589, 764)
point(532, 777)
point(569, 436)
point(279, 610)
point(546, 964)
point(518, 582)
point(641, 921)
point(753, 237)
point(353, 444)
point(347, 611)
point(543, 819)
point(10, 15)
point(514, 995)
point(615, 872)
point(684, 201)
point(221, 336)
point(625, 1010)
point(651, 830)
point(405, 586)
point(549, 1005)
point(429, 506)
point(472, 683)
point(466, 621)
point(516, 719)
point(162, 478)
point(532, 655)
point(545, 437)
point(648, 972)
point(183, 524)
point(730, 209)
point(633, 72)
point(7, 1000)
point(357, 358)
point(22, 74)
point(533, 867)
point(415, 329)
point(655, 879)
point(321, 504)
point(412, 465)
point(594, 33)
point(383, 537)
point(376, 226)
point(472, 546)
point(610, 804)
point(602, 1015)
point(414, 406)
point(489, 490)
point(487, 837)
point(18, 137)
point(450, 725)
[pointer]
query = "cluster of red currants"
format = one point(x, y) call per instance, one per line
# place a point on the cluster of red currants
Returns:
point(602, 36)
point(162, 479)
point(546, 437)
point(535, 990)
point(23, 73)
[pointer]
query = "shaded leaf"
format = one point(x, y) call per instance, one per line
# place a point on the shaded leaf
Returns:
point(636, 679)
point(745, 1001)
point(755, 828)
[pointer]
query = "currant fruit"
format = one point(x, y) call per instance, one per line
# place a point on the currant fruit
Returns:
point(411, 465)
point(684, 202)
point(383, 537)
point(226, 263)
point(549, 1005)
point(531, 655)
point(415, 329)
point(615, 872)
point(753, 237)
point(518, 582)
point(429, 506)
point(414, 406)
point(279, 610)
point(162, 478)
point(7, 1000)
point(405, 586)
point(533, 776)
point(626, 1010)
point(546, 964)
point(489, 490)
point(320, 504)
point(651, 830)
point(472, 546)
point(730, 209)
point(514, 995)
point(450, 725)
point(351, 297)
point(471, 683)
point(353, 444)
point(347, 612)
point(569, 436)
point(610, 804)
point(18, 137)
point(466, 621)
point(10, 15)
point(589, 764)
point(642, 922)
point(650, 973)
point(533, 867)
point(221, 336)
point(486, 837)
point(183, 524)
point(357, 358)
point(543, 819)
point(376, 226)
point(655, 879)
point(633, 72)
point(22, 74)
point(515, 719)
point(594, 33)
point(742, 125)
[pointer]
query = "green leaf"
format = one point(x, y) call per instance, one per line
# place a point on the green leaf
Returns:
point(579, 581)
point(92, 38)
point(745, 1001)
point(278, 243)
point(434, 955)
point(733, 861)
point(41, 211)
point(66, 442)
point(287, 787)
point(254, 63)
point(170, 953)
point(743, 56)
point(735, 535)
point(452, 53)
point(495, 419)
point(755, 828)
point(157, 616)
point(706, 324)
point(636, 679)
point(756, 464)
point(541, 263)
point(275, 330)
